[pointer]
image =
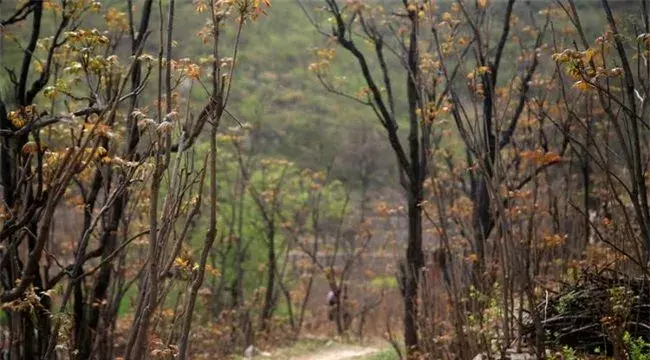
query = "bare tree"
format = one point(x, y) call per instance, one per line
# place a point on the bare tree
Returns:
point(112, 179)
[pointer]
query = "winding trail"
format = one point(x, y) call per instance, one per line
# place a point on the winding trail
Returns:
point(338, 352)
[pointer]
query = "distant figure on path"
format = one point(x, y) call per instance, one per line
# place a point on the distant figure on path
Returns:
point(331, 302)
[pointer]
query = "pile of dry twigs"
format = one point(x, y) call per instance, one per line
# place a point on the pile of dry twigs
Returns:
point(593, 313)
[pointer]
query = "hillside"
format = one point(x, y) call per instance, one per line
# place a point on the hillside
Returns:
point(296, 117)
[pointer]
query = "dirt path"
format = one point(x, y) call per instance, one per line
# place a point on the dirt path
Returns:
point(337, 353)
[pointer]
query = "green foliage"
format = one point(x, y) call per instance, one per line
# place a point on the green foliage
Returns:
point(384, 282)
point(569, 354)
point(267, 189)
point(621, 299)
point(638, 348)
point(565, 302)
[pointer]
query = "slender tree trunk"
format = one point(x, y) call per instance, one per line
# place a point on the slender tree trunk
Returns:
point(108, 240)
point(210, 236)
point(483, 224)
point(417, 149)
point(414, 260)
point(586, 183)
point(267, 309)
point(30, 332)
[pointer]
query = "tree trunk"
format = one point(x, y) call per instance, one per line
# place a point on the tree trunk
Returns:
point(267, 309)
point(483, 224)
point(418, 146)
point(183, 342)
point(414, 261)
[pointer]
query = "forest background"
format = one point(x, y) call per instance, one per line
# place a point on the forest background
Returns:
point(441, 166)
